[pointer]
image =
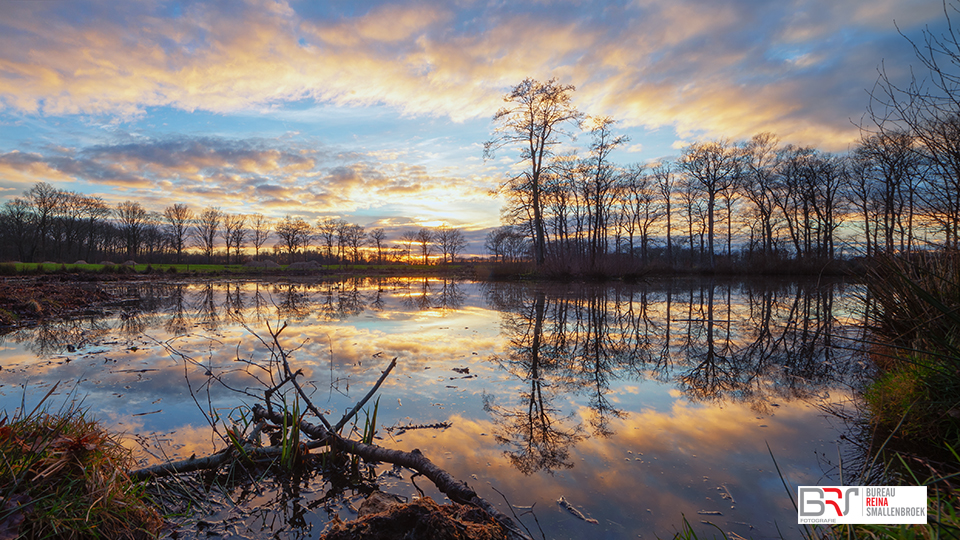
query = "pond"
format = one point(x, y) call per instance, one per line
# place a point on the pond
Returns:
point(641, 405)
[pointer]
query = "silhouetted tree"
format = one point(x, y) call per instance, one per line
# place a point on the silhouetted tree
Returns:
point(178, 219)
point(234, 234)
point(205, 231)
point(425, 238)
point(260, 232)
point(451, 242)
point(377, 236)
point(533, 120)
point(714, 167)
point(294, 233)
point(132, 219)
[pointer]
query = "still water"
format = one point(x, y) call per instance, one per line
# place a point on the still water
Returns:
point(641, 405)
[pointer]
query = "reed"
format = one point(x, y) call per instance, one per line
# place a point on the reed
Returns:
point(917, 350)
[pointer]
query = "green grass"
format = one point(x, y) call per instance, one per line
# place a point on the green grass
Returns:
point(42, 268)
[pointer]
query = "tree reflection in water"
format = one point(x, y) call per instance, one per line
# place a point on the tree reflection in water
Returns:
point(759, 346)
point(715, 342)
point(541, 440)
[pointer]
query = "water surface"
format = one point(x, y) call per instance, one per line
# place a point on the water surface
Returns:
point(639, 404)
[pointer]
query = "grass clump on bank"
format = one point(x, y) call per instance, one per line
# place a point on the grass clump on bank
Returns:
point(918, 317)
point(64, 476)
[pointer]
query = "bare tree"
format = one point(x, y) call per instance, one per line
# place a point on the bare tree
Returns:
point(600, 181)
point(95, 211)
point(132, 219)
point(327, 230)
point(892, 164)
point(407, 240)
point(927, 107)
point(451, 242)
point(664, 177)
point(205, 231)
point(760, 158)
point(377, 236)
point(18, 222)
point(45, 201)
point(260, 229)
point(714, 167)
point(354, 240)
point(533, 120)
point(234, 234)
point(424, 237)
point(294, 233)
point(155, 239)
point(178, 219)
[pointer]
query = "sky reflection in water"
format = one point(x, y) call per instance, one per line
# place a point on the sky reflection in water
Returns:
point(585, 392)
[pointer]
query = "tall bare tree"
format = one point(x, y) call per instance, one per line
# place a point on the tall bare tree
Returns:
point(132, 218)
point(327, 230)
point(714, 166)
point(234, 234)
point(425, 238)
point(758, 183)
point(664, 177)
point(45, 201)
point(205, 231)
point(927, 107)
point(533, 120)
point(377, 236)
point(451, 242)
point(600, 181)
point(355, 236)
point(294, 233)
point(407, 240)
point(178, 219)
point(260, 232)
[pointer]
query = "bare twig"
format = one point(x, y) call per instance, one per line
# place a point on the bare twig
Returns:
point(347, 416)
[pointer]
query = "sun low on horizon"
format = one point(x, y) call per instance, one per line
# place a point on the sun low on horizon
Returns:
point(376, 112)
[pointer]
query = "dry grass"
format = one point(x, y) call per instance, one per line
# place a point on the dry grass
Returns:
point(64, 476)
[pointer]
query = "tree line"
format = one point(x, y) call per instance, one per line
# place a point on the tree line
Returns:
point(50, 224)
point(759, 198)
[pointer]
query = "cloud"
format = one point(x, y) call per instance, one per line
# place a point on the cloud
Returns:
point(274, 176)
point(708, 68)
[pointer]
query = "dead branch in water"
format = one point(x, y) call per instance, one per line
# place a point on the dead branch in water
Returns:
point(320, 435)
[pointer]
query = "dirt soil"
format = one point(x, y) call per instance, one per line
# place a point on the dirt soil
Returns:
point(422, 518)
point(24, 301)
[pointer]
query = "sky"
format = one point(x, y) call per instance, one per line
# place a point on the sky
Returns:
point(376, 112)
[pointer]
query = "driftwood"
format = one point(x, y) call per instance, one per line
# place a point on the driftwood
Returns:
point(456, 490)
point(327, 435)
point(213, 461)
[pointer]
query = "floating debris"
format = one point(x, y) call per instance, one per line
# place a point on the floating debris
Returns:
point(401, 429)
point(575, 511)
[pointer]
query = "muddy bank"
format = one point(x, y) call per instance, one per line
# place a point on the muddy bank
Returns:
point(24, 301)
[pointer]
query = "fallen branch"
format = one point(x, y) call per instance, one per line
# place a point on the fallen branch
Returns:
point(456, 490)
point(213, 461)
point(327, 435)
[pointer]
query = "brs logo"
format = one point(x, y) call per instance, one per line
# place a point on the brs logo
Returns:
point(814, 501)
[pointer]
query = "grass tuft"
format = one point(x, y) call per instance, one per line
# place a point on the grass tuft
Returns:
point(64, 476)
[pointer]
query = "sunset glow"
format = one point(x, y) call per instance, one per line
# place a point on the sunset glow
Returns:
point(376, 112)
